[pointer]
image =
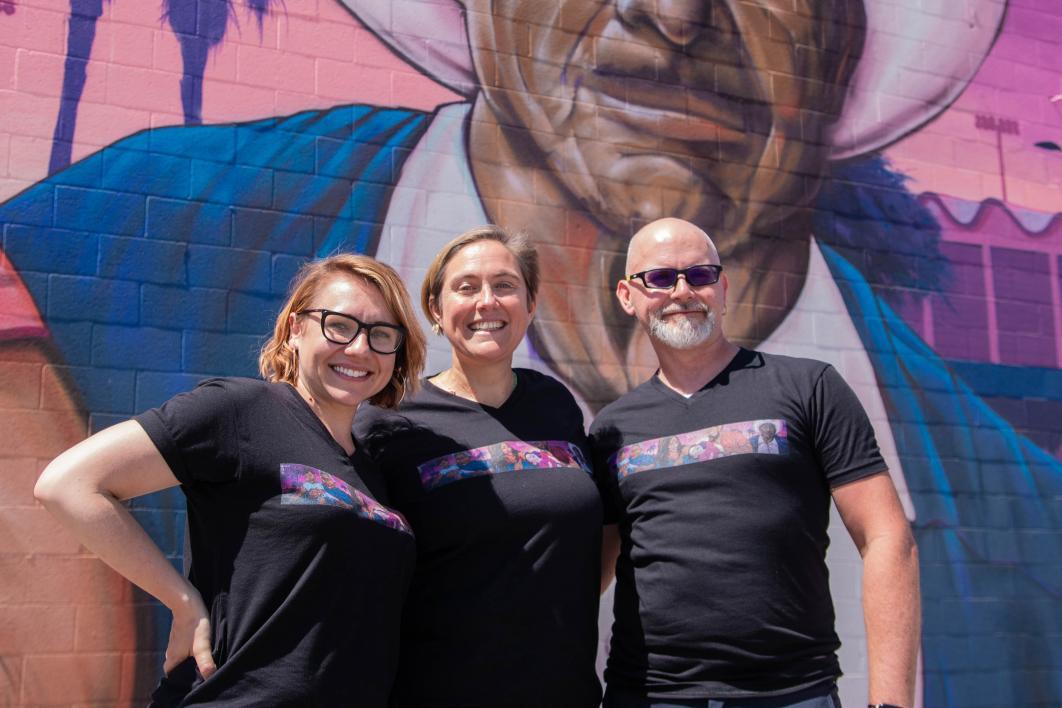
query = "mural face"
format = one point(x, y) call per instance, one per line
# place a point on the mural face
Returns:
point(621, 113)
point(625, 103)
point(882, 184)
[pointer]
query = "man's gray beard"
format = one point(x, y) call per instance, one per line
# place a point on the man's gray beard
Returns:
point(681, 332)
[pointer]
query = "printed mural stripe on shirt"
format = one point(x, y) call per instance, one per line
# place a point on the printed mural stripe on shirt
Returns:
point(506, 456)
point(302, 484)
point(701, 445)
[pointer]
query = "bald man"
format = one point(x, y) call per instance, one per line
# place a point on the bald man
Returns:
point(722, 591)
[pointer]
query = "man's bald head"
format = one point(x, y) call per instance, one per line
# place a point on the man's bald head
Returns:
point(683, 315)
point(655, 234)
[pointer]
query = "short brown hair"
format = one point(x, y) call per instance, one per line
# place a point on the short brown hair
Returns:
point(278, 361)
point(517, 244)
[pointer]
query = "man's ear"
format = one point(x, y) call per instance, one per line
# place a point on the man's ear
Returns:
point(623, 294)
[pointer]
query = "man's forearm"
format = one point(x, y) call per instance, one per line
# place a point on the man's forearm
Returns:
point(892, 612)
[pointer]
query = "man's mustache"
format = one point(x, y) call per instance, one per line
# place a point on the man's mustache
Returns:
point(675, 309)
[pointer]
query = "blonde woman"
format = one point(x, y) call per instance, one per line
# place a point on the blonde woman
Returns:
point(299, 569)
point(489, 464)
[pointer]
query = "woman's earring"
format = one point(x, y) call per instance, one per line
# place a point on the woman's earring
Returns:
point(436, 328)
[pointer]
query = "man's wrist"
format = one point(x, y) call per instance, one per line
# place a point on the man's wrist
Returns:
point(883, 705)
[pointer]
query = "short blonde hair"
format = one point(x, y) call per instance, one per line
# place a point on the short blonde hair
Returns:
point(517, 244)
point(279, 362)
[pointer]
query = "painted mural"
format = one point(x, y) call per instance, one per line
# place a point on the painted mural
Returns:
point(884, 183)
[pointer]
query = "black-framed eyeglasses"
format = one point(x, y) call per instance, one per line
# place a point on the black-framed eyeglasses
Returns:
point(338, 328)
point(666, 278)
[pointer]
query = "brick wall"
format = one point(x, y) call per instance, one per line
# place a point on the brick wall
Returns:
point(160, 255)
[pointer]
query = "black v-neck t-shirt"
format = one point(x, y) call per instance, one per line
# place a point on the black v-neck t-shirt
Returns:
point(302, 567)
point(721, 586)
point(503, 607)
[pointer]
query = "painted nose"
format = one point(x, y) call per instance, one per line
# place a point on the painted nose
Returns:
point(680, 22)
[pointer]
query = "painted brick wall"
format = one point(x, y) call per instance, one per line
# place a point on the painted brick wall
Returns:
point(141, 254)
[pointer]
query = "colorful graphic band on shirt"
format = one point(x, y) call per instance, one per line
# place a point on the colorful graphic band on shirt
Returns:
point(302, 484)
point(769, 437)
point(507, 456)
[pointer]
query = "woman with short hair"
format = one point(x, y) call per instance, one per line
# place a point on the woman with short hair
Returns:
point(489, 464)
point(298, 568)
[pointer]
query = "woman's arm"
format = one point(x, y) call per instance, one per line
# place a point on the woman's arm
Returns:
point(610, 550)
point(83, 488)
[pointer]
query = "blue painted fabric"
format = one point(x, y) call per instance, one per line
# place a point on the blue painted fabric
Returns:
point(169, 252)
point(987, 500)
point(987, 526)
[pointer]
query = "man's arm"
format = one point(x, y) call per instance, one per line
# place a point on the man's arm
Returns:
point(872, 513)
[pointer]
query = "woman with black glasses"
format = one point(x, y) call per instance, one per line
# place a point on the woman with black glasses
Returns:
point(489, 464)
point(298, 568)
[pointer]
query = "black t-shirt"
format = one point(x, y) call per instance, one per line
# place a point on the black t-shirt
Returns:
point(723, 503)
point(503, 606)
point(303, 571)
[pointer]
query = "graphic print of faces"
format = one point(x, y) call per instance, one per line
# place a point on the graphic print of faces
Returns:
point(767, 432)
point(616, 113)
